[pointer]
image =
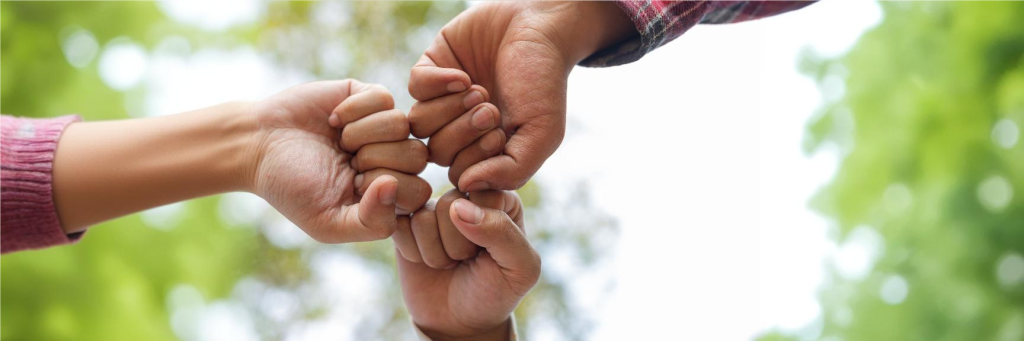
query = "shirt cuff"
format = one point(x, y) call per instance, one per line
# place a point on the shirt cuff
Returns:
point(512, 334)
point(28, 217)
point(657, 22)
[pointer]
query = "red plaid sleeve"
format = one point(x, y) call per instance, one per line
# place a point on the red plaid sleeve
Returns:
point(660, 22)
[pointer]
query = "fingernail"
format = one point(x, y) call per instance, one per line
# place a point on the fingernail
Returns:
point(456, 86)
point(358, 181)
point(468, 212)
point(482, 119)
point(334, 121)
point(387, 193)
point(472, 99)
point(491, 141)
point(451, 266)
point(477, 186)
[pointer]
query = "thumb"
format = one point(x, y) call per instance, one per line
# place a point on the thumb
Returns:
point(525, 152)
point(495, 231)
point(373, 217)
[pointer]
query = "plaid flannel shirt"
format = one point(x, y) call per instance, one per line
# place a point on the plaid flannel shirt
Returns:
point(660, 22)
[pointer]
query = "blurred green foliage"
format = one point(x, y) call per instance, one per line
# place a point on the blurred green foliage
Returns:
point(72, 292)
point(927, 123)
point(151, 279)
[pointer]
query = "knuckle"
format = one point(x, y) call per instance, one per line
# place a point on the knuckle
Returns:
point(519, 181)
point(344, 108)
point(439, 154)
point(436, 262)
point(419, 150)
point(513, 205)
point(373, 174)
point(421, 119)
point(359, 161)
point(383, 96)
point(414, 82)
point(422, 194)
point(534, 273)
point(398, 123)
point(397, 116)
point(404, 223)
point(363, 159)
point(420, 223)
point(426, 212)
point(418, 111)
point(417, 129)
point(462, 252)
point(403, 128)
point(443, 151)
point(405, 255)
point(321, 237)
point(448, 198)
point(423, 220)
point(454, 174)
point(317, 237)
point(348, 143)
point(382, 231)
point(514, 196)
point(413, 256)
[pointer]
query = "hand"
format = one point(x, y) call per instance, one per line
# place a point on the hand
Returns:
point(472, 299)
point(306, 167)
point(520, 53)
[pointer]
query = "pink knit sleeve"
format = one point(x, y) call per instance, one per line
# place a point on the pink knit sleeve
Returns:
point(28, 218)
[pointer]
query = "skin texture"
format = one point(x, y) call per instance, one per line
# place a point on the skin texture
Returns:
point(472, 299)
point(284, 149)
point(521, 53)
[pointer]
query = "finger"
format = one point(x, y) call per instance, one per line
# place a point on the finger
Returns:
point(461, 132)
point(409, 156)
point(373, 218)
point(429, 82)
point(413, 191)
point(525, 152)
point(424, 230)
point(506, 201)
point(437, 73)
point(365, 99)
point(386, 126)
point(455, 245)
point(405, 242)
point(427, 117)
point(486, 146)
point(506, 243)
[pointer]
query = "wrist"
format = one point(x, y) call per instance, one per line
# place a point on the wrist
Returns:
point(240, 129)
point(502, 331)
point(218, 142)
point(590, 26)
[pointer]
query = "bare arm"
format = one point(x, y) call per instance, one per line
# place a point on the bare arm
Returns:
point(103, 170)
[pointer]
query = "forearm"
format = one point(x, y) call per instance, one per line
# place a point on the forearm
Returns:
point(103, 170)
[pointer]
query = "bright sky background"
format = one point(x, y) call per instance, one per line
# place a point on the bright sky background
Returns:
point(696, 150)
